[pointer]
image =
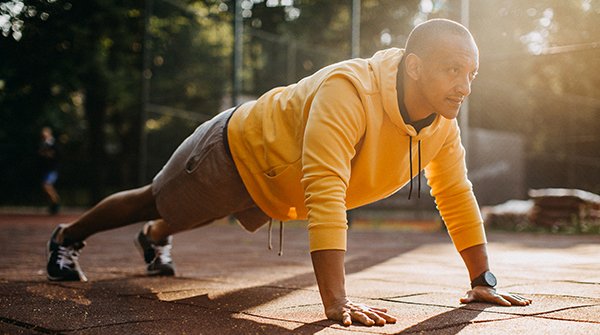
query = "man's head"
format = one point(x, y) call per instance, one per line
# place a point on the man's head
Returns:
point(46, 133)
point(441, 61)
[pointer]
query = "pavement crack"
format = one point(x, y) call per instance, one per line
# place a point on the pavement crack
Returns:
point(563, 309)
point(403, 296)
point(563, 296)
point(564, 319)
point(115, 324)
point(29, 326)
point(290, 288)
point(578, 282)
point(417, 303)
point(300, 306)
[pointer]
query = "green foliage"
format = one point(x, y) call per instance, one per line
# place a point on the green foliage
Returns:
point(76, 66)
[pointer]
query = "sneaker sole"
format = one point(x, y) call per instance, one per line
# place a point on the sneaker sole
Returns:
point(168, 273)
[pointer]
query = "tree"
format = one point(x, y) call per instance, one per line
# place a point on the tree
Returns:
point(77, 67)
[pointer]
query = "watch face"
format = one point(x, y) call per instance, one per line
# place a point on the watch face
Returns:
point(490, 278)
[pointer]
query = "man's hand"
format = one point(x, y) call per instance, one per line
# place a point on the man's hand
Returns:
point(347, 312)
point(489, 294)
point(329, 270)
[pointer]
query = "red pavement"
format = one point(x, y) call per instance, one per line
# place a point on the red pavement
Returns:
point(229, 283)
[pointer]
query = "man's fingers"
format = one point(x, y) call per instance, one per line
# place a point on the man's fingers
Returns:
point(379, 309)
point(522, 298)
point(516, 300)
point(346, 319)
point(362, 318)
point(388, 318)
point(468, 298)
point(382, 312)
point(375, 317)
point(498, 299)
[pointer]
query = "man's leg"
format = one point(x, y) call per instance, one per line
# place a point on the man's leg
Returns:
point(158, 230)
point(51, 192)
point(48, 187)
point(54, 198)
point(117, 210)
point(154, 242)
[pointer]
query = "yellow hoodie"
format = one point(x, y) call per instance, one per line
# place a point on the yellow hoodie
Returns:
point(336, 140)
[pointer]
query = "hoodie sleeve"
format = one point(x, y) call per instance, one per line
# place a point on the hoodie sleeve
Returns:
point(453, 192)
point(335, 124)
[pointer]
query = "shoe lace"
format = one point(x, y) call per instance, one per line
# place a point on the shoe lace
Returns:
point(163, 253)
point(67, 257)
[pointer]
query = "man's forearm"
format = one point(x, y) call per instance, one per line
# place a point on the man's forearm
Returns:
point(476, 260)
point(329, 270)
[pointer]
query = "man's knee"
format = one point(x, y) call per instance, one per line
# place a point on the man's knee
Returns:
point(150, 201)
point(142, 201)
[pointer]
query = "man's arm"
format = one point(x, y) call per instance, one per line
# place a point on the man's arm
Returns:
point(335, 124)
point(447, 176)
point(329, 270)
point(476, 260)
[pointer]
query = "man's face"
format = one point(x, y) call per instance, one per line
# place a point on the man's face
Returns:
point(446, 74)
point(46, 133)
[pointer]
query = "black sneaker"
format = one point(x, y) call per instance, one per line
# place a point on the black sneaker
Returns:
point(157, 256)
point(54, 208)
point(63, 263)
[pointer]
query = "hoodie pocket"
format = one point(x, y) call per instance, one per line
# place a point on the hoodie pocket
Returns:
point(283, 182)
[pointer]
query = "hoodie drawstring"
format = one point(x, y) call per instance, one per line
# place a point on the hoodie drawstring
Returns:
point(270, 246)
point(419, 190)
point(411, 168)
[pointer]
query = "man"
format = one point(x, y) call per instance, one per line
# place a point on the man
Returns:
point(350, 134)
point(48, 154)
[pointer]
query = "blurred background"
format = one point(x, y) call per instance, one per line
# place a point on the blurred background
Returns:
point(122, 83)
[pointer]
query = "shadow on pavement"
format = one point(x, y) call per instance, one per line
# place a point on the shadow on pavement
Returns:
point(451, 322)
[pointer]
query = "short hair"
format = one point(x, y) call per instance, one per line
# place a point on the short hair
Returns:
point(425, 36)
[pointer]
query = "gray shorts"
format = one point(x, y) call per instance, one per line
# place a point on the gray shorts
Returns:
point(200, 182)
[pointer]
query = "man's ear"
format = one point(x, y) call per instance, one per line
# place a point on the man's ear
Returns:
point(413, 66)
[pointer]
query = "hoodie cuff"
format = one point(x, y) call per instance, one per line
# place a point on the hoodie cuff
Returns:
point(469, 237)
point(333, 238)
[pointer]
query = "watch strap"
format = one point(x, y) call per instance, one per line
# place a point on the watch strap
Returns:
point(482, 281)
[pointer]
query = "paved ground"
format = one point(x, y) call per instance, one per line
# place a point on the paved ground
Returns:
point(229, 283)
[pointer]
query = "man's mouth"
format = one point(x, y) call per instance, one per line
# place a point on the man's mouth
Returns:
point(455, 100)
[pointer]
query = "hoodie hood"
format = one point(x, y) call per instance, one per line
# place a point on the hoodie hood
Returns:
point(385, 65)
point(386, 69)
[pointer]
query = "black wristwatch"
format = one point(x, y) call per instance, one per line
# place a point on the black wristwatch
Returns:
point(485, 279)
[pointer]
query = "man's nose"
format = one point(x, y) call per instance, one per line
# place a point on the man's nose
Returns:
point(464, 86)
